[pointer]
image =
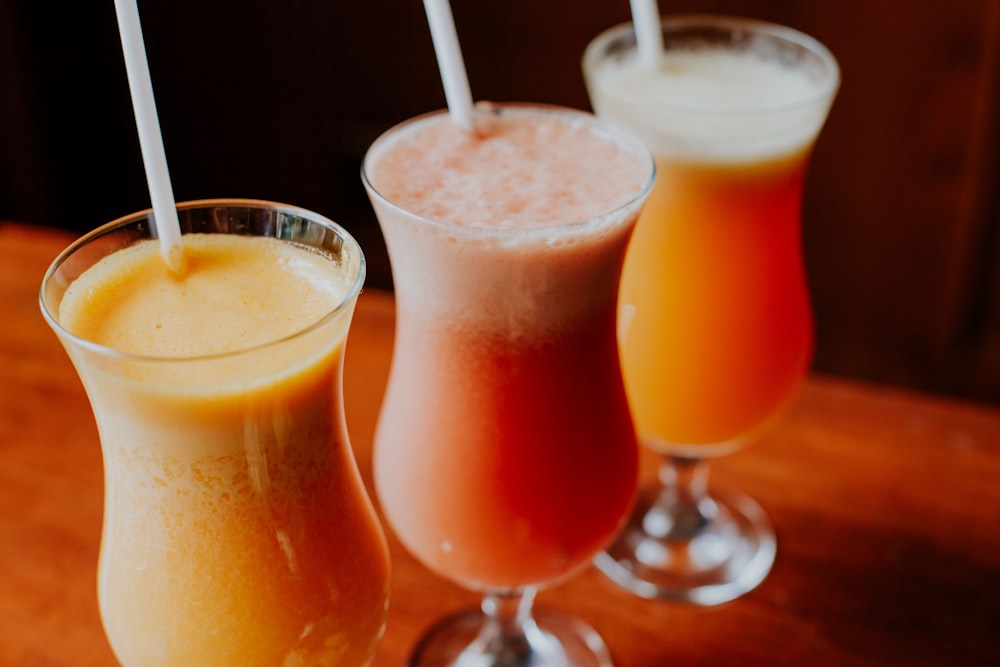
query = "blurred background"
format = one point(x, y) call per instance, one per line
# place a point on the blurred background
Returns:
point(278, 99)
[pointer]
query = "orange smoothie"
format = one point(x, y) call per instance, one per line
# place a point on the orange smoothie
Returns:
point(505, 454)
point(237, 530)
point(716, 330)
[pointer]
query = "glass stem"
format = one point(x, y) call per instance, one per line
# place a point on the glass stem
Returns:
point(504, 634)
point(508, 628)
point(684, 508)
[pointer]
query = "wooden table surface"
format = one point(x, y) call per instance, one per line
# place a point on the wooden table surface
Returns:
point(886, 504)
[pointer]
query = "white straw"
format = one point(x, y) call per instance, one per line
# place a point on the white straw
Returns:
point(161, 194)
point(449, 57)
point(648, 35)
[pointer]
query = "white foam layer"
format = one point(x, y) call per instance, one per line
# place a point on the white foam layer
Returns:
point(519, 230)
point(714, 104)
point(521, 170)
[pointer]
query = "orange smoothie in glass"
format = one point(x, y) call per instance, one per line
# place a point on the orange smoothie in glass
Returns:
point(237, 530)
point(716, 329)
point(505, 454)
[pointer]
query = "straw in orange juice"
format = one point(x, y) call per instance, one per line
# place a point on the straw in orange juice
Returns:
point(716, 329)
point(236, 530)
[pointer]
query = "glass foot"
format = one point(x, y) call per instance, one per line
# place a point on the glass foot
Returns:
point(547, 639)
point(719, 551)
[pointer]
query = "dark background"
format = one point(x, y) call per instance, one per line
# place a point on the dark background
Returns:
point(278, 99)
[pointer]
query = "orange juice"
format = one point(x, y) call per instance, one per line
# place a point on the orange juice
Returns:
point(237, 530)
point(716, 330)
point(505, 454)
point(715, 323)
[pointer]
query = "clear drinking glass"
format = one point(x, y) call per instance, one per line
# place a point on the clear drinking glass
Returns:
point(237, 530)
point(505, 456)
point(715, 323)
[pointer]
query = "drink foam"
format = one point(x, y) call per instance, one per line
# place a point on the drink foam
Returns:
point(714, 104)
point(528, 218)
point(556, 169)
point(234, 296)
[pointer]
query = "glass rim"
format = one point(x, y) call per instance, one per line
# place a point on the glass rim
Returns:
point(595, 53)
point(124, 221)
point(603, 128)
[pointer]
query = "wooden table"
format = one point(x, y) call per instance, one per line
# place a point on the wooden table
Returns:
point(886, 503)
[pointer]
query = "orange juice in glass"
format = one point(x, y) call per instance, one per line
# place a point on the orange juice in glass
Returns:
point(237, 530)
point(505, 454)
point(715, 323)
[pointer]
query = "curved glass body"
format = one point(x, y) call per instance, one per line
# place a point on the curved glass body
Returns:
point(505, 454)
point(716, 329)
point(237, 529)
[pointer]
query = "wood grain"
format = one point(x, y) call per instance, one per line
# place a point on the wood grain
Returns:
point(886, 503)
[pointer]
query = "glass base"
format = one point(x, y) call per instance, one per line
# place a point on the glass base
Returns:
point(550, 639)
point(720, 551)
